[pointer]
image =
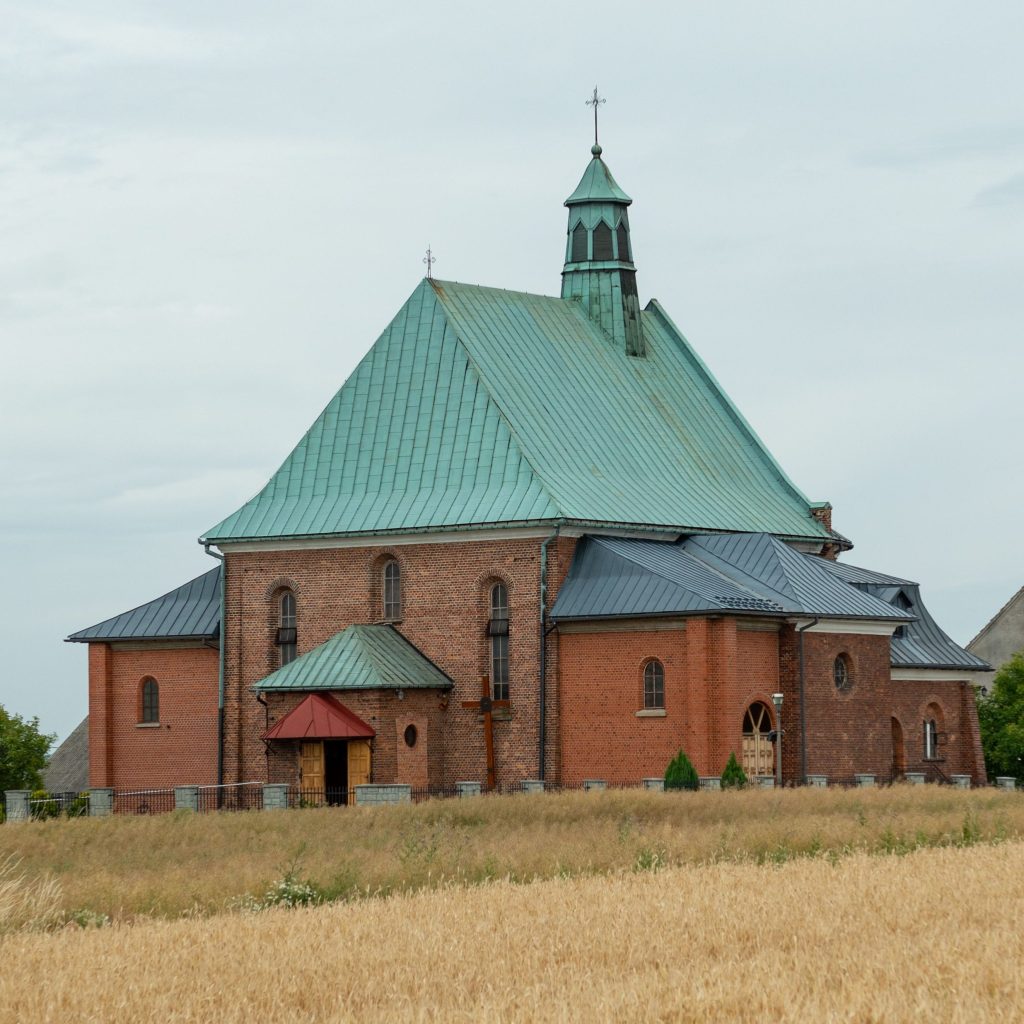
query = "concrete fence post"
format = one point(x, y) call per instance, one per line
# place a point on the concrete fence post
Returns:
point(594, 785)
point(819, 781)
point(186, 798)
point(658, 785)
point(463, 789)
point(17, 804)
point(961, 781)
point(864, 780)
point(101, 803)
point(533, 785)
point(275, 796)
point(1006, 782)
point(914, 778)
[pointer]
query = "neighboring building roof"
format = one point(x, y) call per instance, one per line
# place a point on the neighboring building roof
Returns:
point(192, 612)
point(67, 771)
point(995, 620)
point(921, 643)
point(750, 573)
point(359, 658)
point(479, 406)
point(320, 717)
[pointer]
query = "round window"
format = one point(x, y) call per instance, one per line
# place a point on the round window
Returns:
point(841, 673)
point(410, 735)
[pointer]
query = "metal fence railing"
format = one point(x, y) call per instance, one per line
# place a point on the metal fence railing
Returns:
point(243, 796)
point(143, 801)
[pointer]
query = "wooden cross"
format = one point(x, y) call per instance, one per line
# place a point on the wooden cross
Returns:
point(595, 101)
point(486, 705)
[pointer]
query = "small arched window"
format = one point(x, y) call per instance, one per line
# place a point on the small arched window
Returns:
point(497, 630)
point(603, 242)
point(622, 238)
point(654, 685)
point(931, 739)
point(579, 244)
point(150, 710)
point(287, 632)
point(842, 676)
point(392, 590)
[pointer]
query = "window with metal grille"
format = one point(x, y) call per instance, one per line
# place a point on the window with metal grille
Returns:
point(931, 739)
point(392, 591)
point(287, 633)
point(579, 244)
point(622, 237)
point(150, 701)
point(603, 242)
point(654, 685)
point(497, 630)
point(841, 674)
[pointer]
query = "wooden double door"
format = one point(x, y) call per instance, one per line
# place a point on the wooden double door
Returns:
point(758, 748)
point(329, 770)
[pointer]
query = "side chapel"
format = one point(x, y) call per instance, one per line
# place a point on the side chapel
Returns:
point(546, 509)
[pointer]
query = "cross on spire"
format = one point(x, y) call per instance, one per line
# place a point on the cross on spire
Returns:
point(430, 259)
point(595, 101)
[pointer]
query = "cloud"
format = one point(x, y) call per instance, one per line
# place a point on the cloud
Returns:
point(1005, 193)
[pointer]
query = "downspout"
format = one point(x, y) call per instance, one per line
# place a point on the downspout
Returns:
point(220, 667)
point(803, 702)
point(543, 667)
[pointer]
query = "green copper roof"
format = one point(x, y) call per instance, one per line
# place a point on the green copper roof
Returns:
point(597, 185)
point(479, 406)
point(359, 658)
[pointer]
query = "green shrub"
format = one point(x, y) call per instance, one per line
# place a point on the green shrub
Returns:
point(733, 777)
point(41, 805)
point(681, 774)
point(79, 807)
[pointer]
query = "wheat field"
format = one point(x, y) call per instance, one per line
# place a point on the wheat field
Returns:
point(174, 865)
point(931, 935)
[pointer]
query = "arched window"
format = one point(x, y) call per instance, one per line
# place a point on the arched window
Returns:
point(497, 630)
point(287, 633)
point(150, 710)
point(622, 237)
point(603, 242)
point(579, 244)
point(931, 739)
point(392, 590)
point(654, 685)
point(842, 675)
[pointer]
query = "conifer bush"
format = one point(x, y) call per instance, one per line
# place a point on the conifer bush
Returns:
point(681, 774)
point(733, 777)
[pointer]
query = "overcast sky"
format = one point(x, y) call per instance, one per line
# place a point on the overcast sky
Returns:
point(210, 210)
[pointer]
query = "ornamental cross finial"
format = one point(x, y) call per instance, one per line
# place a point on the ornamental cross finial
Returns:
point(430, 259)
point(595, 101)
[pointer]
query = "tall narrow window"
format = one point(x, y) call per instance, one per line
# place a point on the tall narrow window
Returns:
point(654, 686)
point(603, 242)
point(392, 591)
point(931, 739)
point(497, 629)
point(579, 244)
point(150, 702)
point(622, 237)
point(287, 634)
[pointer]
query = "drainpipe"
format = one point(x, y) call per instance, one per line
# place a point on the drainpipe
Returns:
point(220, 668)
point(543, 667)
point(803, 702)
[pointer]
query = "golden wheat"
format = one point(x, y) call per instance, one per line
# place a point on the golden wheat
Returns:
point(186, 864)
point(27, 904)
point(931, 935)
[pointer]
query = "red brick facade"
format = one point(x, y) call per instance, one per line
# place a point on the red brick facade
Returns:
point(714, 668)
point(181, 748)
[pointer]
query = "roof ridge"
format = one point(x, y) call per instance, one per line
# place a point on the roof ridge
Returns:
point(991, 622)
point(453, 319)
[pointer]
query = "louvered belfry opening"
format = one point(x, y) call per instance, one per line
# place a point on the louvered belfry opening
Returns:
point(599, 271)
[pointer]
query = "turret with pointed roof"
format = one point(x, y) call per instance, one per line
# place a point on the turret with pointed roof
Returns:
point(599, 269)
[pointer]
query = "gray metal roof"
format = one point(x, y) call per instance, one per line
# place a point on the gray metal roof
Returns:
point(751, 573)
point(191, 612)
point(922, 643)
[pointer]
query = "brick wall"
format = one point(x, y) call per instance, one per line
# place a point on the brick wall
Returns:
point(182, 748)
point(445, 591)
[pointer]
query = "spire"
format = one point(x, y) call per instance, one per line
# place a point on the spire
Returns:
point(599, 269)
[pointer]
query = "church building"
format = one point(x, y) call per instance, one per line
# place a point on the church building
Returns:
point(529, 538)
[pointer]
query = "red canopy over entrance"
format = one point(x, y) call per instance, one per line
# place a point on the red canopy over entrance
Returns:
point(320, 717)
